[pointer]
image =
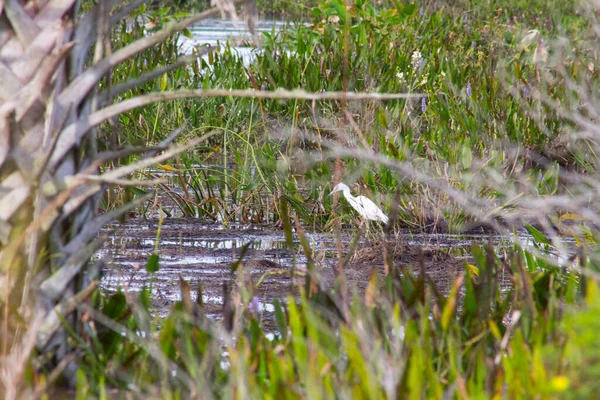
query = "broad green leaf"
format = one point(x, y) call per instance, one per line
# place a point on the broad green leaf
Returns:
point(537, 235)
point(152, 264)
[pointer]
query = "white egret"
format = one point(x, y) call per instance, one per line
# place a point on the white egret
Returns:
point(363, 205)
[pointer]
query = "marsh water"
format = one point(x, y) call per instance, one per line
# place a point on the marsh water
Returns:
point(214, 32)
point(202, 254)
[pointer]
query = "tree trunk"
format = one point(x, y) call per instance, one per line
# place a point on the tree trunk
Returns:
point(47, 225)
point(49, 182)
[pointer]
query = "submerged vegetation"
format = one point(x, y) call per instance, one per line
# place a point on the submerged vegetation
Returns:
point(499, 135)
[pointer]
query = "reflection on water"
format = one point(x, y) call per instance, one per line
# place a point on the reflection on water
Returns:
point(213, 32)
point(198, 254)
point(202, 256)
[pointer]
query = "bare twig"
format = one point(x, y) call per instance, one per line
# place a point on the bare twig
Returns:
point(75, 132)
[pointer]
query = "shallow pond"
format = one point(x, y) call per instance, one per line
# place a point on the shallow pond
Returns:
point(212, 32)
point(202, 255)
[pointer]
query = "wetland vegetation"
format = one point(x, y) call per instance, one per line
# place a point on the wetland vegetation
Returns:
point(224, 269)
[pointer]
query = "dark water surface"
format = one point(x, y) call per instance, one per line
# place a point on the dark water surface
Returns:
point(202, 255)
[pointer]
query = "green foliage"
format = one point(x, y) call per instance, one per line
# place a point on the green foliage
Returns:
point(410, 341)
point(468, 61)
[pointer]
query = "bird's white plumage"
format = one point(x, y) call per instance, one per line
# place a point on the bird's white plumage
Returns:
point(363, 205)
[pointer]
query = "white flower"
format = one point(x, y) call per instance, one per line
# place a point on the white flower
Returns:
point(400, 75)
point(417, 60)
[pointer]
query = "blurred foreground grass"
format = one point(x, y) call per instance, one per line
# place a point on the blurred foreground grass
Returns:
point(400, 338)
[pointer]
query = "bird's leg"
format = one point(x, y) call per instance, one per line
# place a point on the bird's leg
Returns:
point(361, 224)
point(372, 231)
point(367, 230)
point(385, 234)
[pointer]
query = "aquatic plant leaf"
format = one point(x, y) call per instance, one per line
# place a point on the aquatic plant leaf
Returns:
point(537, 235)
point(592, 294)
point(382, 117)
point(280, 319)
point(144, 298)
point(82, 386)
point(164, 80)
point(469, 310)
point(137, 191)
point(168, 338)
point(116, 306)
point(407, 10)
point(478, 255)
point(297, 326)
point(449, 309)
point(572, 291)
point(182, 14)
point(152, 265)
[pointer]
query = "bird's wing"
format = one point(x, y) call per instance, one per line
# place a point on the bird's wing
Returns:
point(370, 210)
